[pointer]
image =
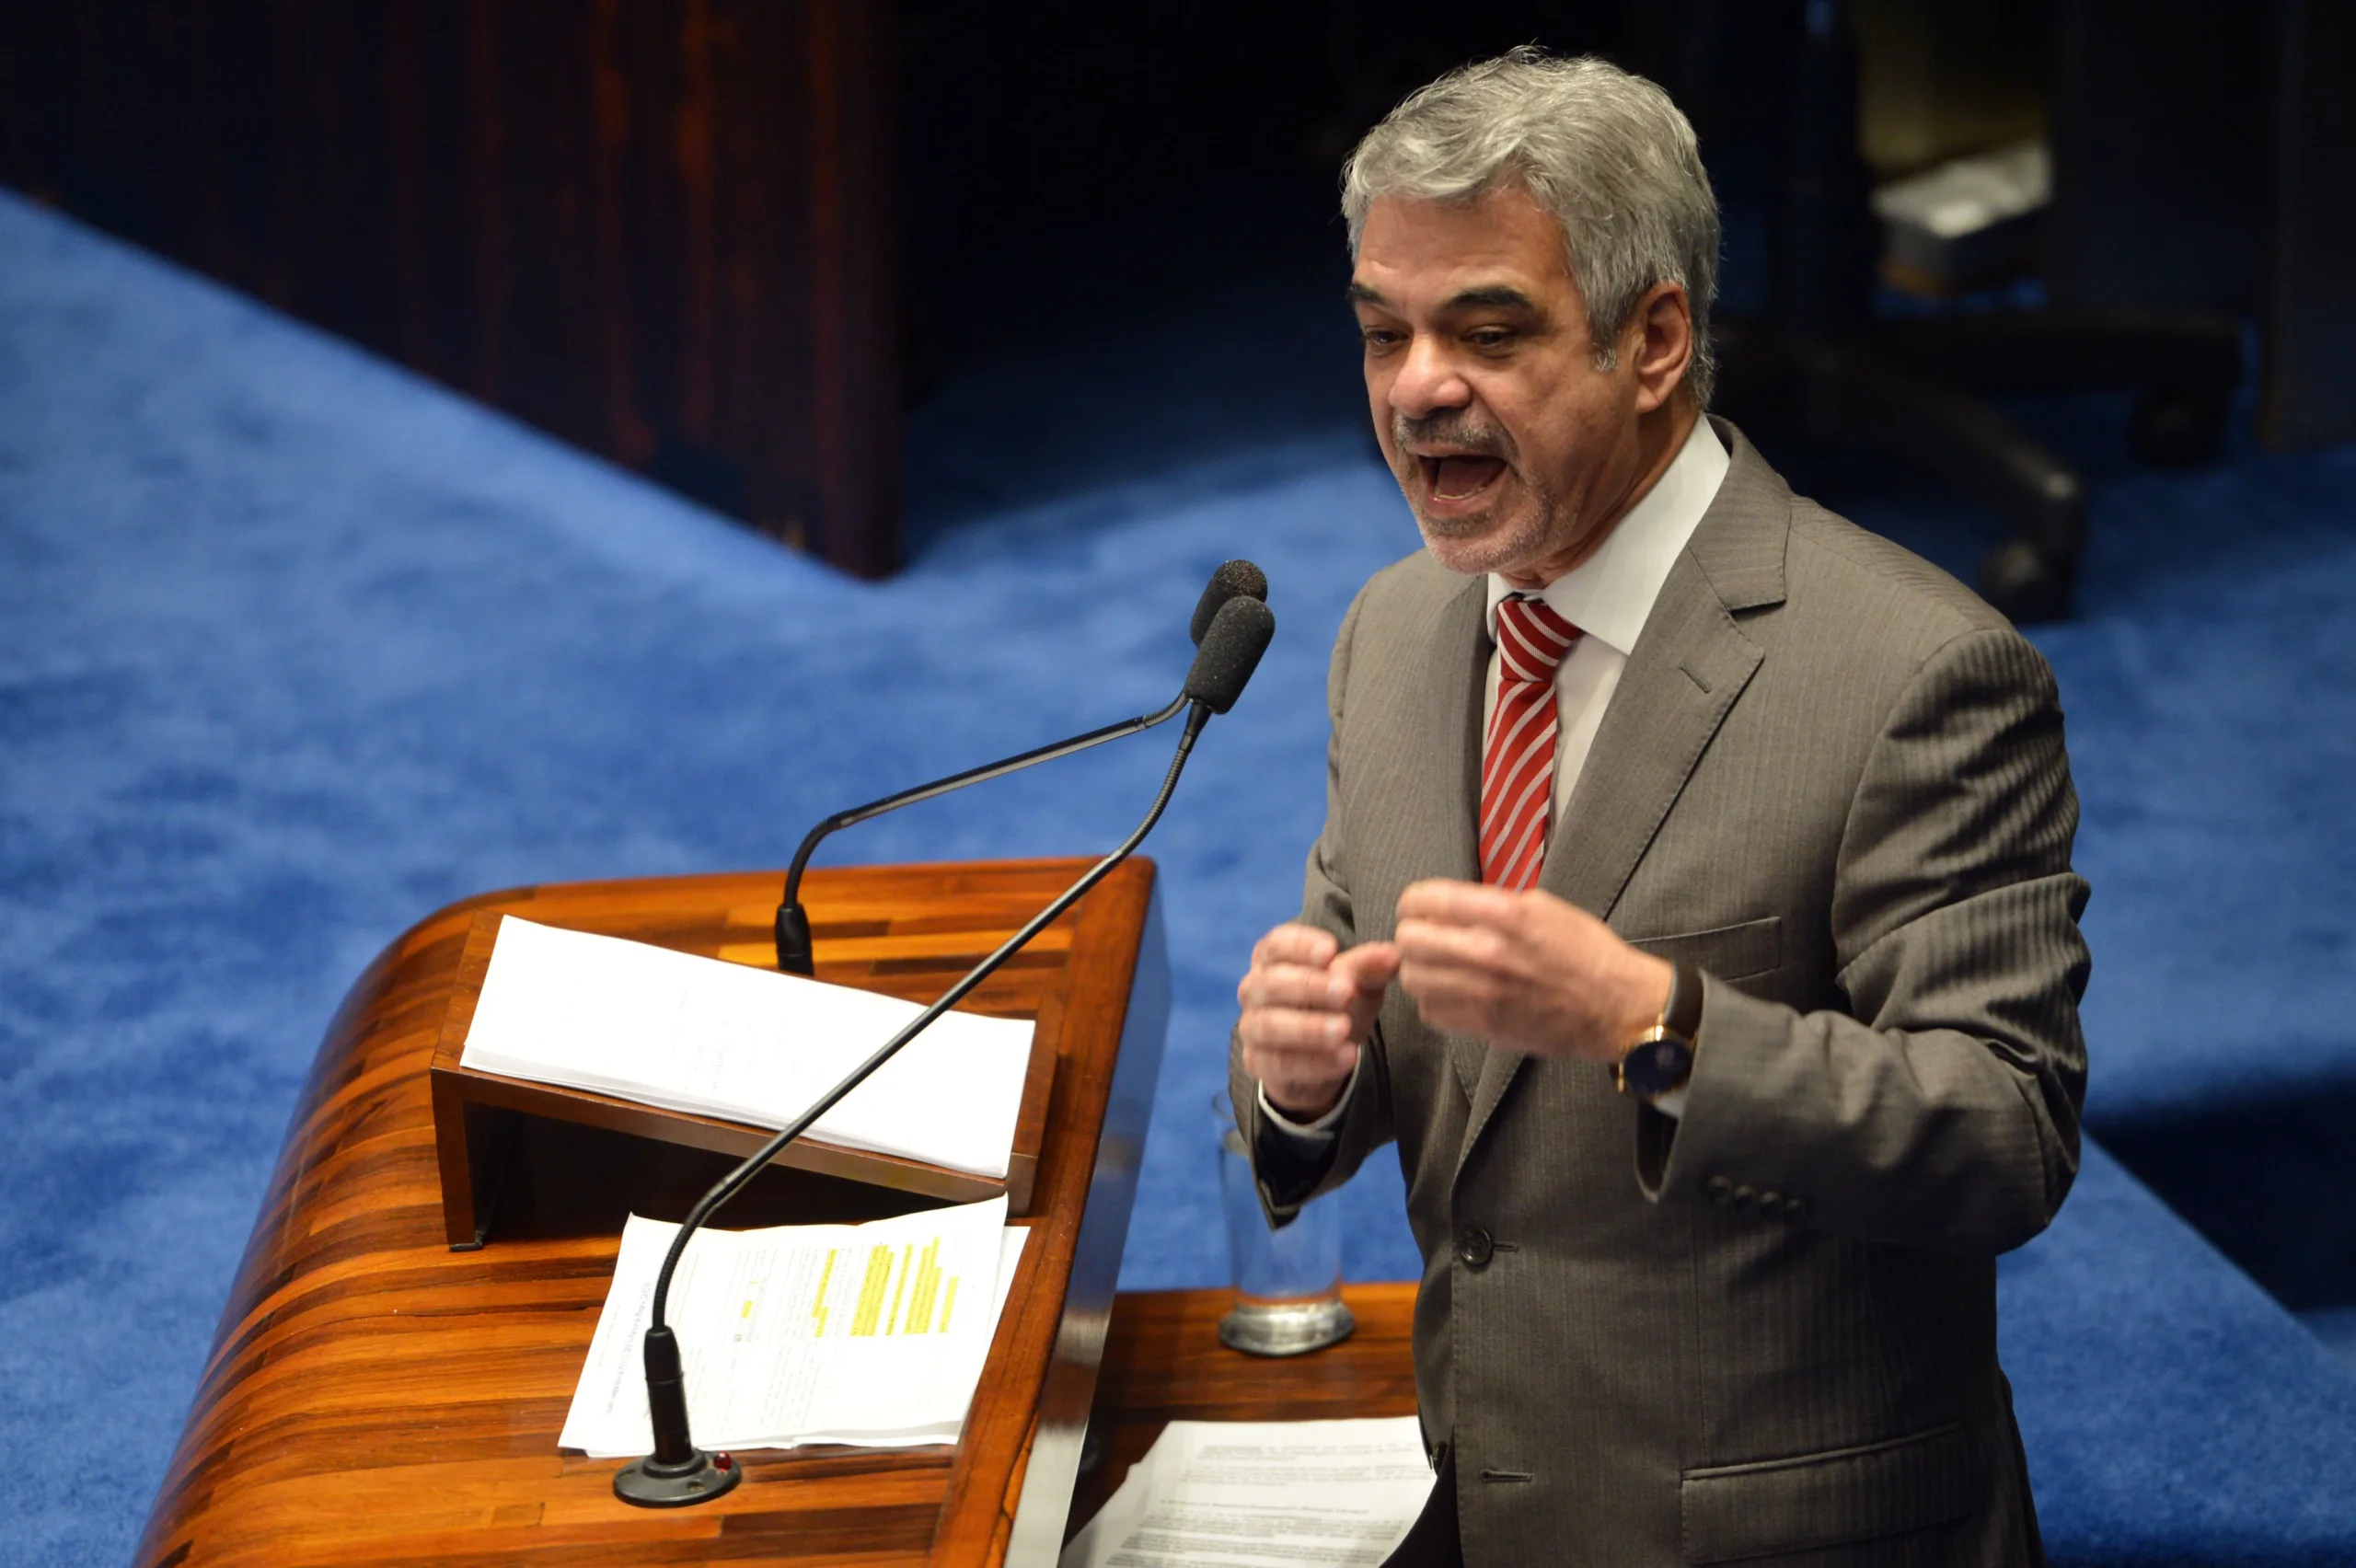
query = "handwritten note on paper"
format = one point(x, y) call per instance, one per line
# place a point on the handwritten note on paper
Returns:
point(697, 1034)
point(873, 1334)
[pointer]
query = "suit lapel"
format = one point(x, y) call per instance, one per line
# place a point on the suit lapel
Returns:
point(1463, 669)
point(1691, 663)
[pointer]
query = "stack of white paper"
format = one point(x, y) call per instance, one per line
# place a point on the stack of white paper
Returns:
point(872, 1334)
point(1261, 1494)
point(745, 1044)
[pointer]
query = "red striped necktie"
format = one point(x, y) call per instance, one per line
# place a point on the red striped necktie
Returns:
point(1518, 763)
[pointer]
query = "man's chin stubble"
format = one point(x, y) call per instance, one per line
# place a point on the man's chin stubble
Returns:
point(1475, 545)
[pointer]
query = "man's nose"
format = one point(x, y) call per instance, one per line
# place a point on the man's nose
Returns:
point(1428, 380)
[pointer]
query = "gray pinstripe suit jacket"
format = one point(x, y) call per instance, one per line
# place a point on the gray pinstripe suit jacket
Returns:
point(1833, 779)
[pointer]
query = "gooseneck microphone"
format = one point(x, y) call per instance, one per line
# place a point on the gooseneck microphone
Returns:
point(678, 1473)
point(1234, 578)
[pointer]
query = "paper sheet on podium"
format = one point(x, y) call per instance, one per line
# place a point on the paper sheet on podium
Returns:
point(697, 1034)
point(1261, 1494)
point(872, 1334)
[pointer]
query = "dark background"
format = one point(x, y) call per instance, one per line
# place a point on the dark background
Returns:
point(729, 243)
point(1065, 113)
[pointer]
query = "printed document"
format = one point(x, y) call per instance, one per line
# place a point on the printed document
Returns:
point(871, 1334)
point(1261, 1494)
point(717, 1039)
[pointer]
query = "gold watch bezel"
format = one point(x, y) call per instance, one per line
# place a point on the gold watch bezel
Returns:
point(1653, 1036)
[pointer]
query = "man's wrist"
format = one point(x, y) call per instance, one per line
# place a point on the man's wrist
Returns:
point(1306, 1123)
point(1653, 983)
point(1298, 1111)
point(1657, 1063)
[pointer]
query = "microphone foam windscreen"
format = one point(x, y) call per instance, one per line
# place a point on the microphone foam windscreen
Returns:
point(1238, 634)
point(1233, 579)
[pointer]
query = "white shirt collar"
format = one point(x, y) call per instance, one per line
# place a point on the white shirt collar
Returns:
point(1609, 595)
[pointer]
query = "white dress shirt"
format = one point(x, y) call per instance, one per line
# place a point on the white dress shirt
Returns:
point(1608, 596)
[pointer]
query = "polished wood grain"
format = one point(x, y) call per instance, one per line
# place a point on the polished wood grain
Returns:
point(374, 1397)
point(1163, 1363)
point(661, 229)
point(478, 1115)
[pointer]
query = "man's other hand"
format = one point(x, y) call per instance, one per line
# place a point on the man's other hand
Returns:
point(1525, 971)
point(1306, 1009)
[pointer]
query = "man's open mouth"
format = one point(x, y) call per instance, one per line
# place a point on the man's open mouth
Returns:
point(1460, 476)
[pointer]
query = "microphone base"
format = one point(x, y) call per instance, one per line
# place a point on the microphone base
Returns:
point(643, 1483)
point(794, 939)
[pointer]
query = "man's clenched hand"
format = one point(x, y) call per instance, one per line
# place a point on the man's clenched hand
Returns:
point(1524, 970)
point(1306, 1009)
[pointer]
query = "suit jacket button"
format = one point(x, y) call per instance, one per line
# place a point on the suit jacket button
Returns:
point(1474, 1246)
point(1771, 1203)
point(1744, 1196)
point(1717, 1187)
point(1794, 1209)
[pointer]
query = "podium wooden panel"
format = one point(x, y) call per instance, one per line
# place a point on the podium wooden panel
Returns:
point(665, 230)
point(374, 1397)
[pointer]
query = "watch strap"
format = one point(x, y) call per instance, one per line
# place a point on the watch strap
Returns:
point(1681, 1014)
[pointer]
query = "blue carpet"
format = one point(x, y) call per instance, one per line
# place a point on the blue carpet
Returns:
point(2173, 1413)
point(2336, 1327)
point(295, 649)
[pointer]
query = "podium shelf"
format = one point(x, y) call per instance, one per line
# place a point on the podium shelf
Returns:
point(477, 1114)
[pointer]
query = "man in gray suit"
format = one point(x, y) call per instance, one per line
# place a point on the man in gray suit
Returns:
point(1694, 906)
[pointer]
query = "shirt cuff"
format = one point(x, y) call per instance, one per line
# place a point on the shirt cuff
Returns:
point(1325, 1126)
point(1672, 1104)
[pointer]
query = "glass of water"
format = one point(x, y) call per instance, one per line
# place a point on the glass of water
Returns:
point(1288, 1282)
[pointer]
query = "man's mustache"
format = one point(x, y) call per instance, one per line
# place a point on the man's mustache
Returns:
point(1451, 428)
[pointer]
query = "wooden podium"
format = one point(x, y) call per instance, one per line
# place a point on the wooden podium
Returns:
point(374, 1397)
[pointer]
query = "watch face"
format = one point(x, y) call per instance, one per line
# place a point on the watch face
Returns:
point(1658, 1065)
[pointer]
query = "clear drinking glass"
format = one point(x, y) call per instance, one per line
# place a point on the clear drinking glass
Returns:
point(1288, 1282)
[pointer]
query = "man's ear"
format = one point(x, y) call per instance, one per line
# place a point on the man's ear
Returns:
point(1659, 344)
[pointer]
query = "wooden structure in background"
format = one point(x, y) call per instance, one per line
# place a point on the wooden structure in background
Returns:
point(662, 230)
point(374, 1397)
point(478, 1115)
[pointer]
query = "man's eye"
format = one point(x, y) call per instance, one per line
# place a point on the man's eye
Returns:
point(1377, 337)
point(1489, 337)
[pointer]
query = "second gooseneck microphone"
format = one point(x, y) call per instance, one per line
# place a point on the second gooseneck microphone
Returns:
point(677, 1473)
point(1233, 579)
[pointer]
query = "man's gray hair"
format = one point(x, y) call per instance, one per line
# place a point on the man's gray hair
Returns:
point(1604, 150)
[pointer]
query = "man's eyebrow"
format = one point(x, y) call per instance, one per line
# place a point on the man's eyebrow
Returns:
point(1494, 297)
point(1491, 297)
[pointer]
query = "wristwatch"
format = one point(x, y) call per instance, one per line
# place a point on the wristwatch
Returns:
point(1661, 1060)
